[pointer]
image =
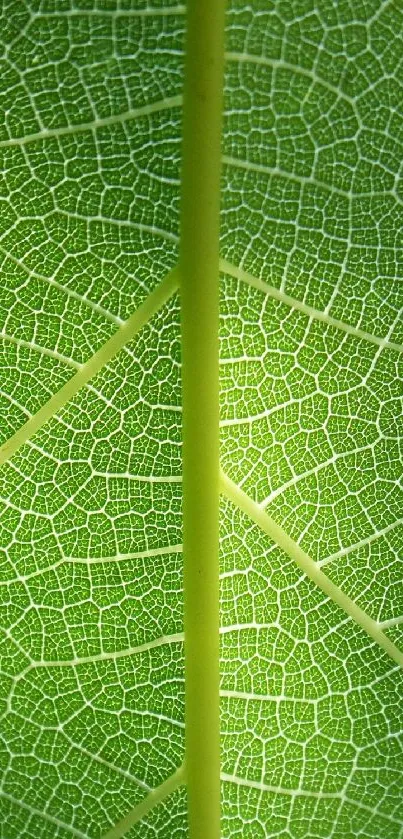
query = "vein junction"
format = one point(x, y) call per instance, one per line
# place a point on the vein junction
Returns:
point(307, 564)
point(87, 371)
point(124, 334)
point(127, 330)
point(157, 795)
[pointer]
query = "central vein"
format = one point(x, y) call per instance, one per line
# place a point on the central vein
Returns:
point(199, 270)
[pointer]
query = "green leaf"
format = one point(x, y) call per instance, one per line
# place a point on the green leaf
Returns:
point(91, 602)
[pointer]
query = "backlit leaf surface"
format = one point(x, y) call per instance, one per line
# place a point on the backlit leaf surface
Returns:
point(311, 338)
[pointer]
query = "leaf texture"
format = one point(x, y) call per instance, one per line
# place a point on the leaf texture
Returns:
point(311, 404)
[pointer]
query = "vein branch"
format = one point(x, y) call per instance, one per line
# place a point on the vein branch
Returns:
point(308, 566)
point(320, 795)
point(361, 544)
point(93, 125)
point(87, 371)
point(31, 345)
point(153, 798)
point(163, 640)
point(314, 314)
point(47, 817)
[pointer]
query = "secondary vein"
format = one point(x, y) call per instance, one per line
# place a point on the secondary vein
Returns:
point(154, 797)
point(87, 371)
point(92, 125)
point(307, 564)
point(315, 314)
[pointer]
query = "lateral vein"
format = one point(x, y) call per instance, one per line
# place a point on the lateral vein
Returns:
point(315, 314)
point(361, 544)
point(303, 180)
point(93, 125)
point(308, 566)
point(280, 64)
point(87, 371)
point(318, 794)
point(35, 811)
point(65, 289)
point(30, 345)
point(163, 11)
point(153, 798)
point(391, 622)
point(164, 640)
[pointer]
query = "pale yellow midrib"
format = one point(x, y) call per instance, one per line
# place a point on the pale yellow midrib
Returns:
point(122, 336)
point(135, 323)
point(238, 497)
point(87, 371)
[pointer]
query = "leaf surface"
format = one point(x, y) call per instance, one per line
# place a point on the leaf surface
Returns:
point(311, 340)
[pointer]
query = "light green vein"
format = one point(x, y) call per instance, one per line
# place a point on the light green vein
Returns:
point(361, 544)
point(315, 314)
point(308, 566)
point(141, 479)
point(157, 795)
point(320, 795)
point(35, 811)
point(391, 622)
point(88, 562)
point(122, 223)
point(264, 697)
point(29, 345)
point(65, 289)
point(93, 125)
point(164, 640)
point(315, 470)
point(78, 747)
point(305, 180)
point(122, 557)
point(280, 64)
point(122, 336)
point(163, 11)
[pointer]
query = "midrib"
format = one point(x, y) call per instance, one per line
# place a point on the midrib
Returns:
point(129, 328)
point(123, 335)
